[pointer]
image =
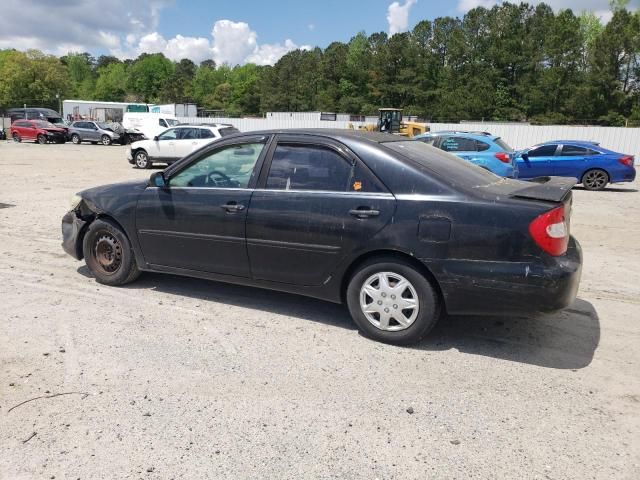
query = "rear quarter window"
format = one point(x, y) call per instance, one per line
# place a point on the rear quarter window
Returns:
point(228, 131)
point(503, 145)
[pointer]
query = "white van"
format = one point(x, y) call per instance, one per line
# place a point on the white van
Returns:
point(151, 124)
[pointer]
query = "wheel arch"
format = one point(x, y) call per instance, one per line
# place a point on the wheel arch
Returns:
point(393, 254)
point(90, 216)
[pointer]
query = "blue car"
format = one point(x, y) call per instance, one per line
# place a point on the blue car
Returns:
point(588, 162)
point(481, 148)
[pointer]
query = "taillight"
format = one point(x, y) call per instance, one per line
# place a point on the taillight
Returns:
point(551, 231)
point(627, 160)
point(503, 157)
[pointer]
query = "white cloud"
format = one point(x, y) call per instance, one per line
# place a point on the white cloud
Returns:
point(398, 16)
point(466, 5)
point(232, 41)
point(311, 27)
point(268, 54)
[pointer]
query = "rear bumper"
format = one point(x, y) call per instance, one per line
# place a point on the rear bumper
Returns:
point(626, 174)
point(499, 288)
point(72, 231)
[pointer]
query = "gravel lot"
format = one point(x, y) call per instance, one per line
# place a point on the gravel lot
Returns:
point(182, 378)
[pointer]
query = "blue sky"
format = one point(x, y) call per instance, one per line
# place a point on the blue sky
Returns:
point(273, 21)
point(229, 31)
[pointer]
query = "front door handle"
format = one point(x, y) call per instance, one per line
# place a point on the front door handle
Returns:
point(364, 212)
point(233, 207)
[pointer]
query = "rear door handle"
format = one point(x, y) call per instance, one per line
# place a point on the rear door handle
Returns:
point(233, 207)
point(364, 212)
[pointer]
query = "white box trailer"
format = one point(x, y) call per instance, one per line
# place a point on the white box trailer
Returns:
point(176, 109)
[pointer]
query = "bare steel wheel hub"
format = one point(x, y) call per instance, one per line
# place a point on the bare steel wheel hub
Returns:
point(389, 301)
point(108, 252)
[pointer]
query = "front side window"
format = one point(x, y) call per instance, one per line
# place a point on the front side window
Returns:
point(543, 151)
point(170, 134)
point(458, 144)
point(229, 167)
point(308, 167)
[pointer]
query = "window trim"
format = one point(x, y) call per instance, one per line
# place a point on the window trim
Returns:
point(339, 148)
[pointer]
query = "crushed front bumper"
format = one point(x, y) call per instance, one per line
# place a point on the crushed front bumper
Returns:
point(72, 233)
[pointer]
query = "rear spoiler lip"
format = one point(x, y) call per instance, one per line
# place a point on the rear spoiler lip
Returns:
point(551, 189)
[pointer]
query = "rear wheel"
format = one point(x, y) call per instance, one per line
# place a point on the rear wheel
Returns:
point(106, 140)
point(41, 139)
point(16, 138)
point(392, 302)
point(108, 254)
point(595, 179)
point(142, 159)
point(75, 138)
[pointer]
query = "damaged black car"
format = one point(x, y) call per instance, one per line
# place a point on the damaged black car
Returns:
point(397, 230)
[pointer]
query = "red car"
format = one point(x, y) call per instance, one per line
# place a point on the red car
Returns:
point(39, 131)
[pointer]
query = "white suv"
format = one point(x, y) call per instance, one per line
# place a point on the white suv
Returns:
point(175, 143)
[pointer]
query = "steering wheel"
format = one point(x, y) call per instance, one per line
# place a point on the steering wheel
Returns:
point(222, 180)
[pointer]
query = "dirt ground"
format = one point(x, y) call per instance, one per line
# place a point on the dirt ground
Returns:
point(182, 378)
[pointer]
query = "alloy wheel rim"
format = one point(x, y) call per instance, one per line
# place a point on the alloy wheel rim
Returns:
point(596, 179)
point(141, 160)
point(108, 252)
point(389, 301)
point(75, 139)
point(105, 141)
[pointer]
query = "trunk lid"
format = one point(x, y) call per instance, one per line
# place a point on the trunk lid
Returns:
point(550, 189)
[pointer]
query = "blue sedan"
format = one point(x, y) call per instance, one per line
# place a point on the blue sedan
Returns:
point(588, 162)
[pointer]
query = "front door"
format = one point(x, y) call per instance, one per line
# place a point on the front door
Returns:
point(538, 162)
point(316, 205)
point(198, 221)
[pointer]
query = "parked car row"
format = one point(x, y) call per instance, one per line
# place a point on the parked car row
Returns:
point(590, 164)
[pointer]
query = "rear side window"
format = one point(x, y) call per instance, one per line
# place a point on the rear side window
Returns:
point(206, 133)
point(458, 144)
point(543, 151)
point(187, 133)
point(228, 131)
point(482, 146)
point(308, 167)
point(576, 151)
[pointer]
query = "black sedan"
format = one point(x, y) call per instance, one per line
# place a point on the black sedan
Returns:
point(398, 230)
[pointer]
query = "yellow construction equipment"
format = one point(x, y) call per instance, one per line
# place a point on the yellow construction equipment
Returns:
point(390, 121)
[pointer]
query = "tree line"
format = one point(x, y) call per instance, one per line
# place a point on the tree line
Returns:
point(512, 62)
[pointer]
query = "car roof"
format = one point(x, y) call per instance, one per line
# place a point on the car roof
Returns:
point(205, 125)
point(587, 143)
point(464, 133)
point(335, 133)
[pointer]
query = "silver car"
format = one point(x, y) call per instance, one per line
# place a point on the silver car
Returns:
point(94, 132)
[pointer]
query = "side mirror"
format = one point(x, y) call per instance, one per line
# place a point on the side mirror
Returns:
point(157, 180)
point(525, 156)
point(155, 139)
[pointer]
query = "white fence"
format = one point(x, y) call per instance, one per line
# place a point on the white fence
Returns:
point(619, 139)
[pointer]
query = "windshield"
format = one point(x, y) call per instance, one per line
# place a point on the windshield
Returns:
point(56, 121)
point(103, 126)
point(171, 122)
point(447, 166)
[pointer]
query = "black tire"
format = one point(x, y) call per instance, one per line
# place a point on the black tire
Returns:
point(41, 139)
point(106, 140)
point(428, 301)
point(595, 179)
point(141, 159)
point(16, 138)
point(75, 139)
point(108, 254)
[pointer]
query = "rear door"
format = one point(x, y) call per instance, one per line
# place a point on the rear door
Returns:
point(198, 222)
point(186, 141)
point(572, 160)
point(316, 204)
point(539, 162)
